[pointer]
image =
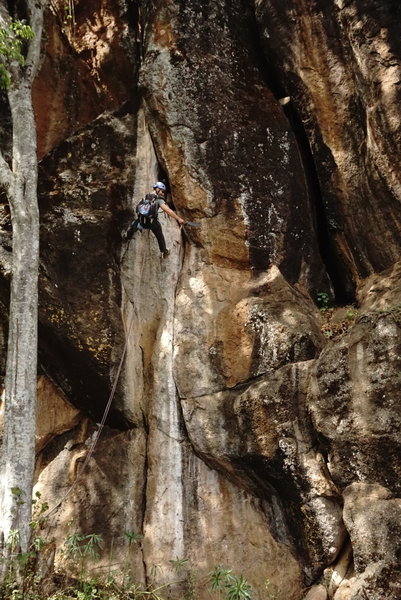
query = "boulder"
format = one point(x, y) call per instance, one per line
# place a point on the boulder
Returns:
point(316, 592)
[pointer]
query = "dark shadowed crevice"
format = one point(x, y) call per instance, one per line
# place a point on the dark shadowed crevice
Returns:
point(342, 287)
point(17, 9)
point(53, 448)
point(266, 478)
point(145, 492)
point(6, 130)
point(163, 177)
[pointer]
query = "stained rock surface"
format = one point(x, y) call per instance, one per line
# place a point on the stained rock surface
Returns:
point(339, 63)
point(246, 428)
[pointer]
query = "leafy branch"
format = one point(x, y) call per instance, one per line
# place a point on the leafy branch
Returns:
point(12, 38)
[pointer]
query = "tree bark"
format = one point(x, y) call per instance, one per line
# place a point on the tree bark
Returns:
point(20, 184)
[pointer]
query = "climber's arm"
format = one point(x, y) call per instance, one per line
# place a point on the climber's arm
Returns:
point(170, 212)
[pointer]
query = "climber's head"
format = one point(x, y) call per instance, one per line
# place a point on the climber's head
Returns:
point(159, 186)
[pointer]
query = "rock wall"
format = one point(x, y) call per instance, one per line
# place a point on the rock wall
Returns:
point(340, 65)
point(247, 427)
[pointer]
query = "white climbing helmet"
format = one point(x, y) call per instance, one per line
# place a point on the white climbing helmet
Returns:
point(159, 185)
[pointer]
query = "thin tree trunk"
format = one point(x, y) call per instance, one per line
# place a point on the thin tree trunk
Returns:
point(20, 381)
point(20, 183)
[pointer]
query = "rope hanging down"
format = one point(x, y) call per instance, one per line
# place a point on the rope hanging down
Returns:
point(110, 400)
point(101, 424)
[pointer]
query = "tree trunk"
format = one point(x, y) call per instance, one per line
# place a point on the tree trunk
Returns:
point(20, 183)
point(20, 381)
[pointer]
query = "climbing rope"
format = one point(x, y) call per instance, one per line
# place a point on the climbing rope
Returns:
point(106, 410)
point(101, 425)
point(111, 396)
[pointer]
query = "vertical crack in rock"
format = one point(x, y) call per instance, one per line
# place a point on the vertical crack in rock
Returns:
point(345, 94)
point(341, 286)
point(339, 283)
point(144, 494)
point(150, 283)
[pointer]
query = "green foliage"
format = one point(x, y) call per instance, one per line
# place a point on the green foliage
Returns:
point(18, 500)
point(79, 546)
point(133, 537)
point(323, 300)
point(21, 580)
point(239, 589)
point(39, 508)
point(179, 563)
point(69, 13)
point(234, 587)
point(16, 492)
point(270, 594)
point(337, 321)
point(13, 540)
point(12, 38)
point(219, 578)
point(223, 582)
point(26, 581)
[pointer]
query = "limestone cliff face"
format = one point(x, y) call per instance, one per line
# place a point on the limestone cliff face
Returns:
point(244, 430)
point(339, 62)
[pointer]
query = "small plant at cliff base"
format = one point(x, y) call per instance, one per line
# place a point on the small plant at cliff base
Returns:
point(12, 37)
point(338, 321)
point(270, 594)
point(219, 578)
point(323, 301)
point(133, 538)
point(79, 548)
point(11, 575)
point(179, 563)
point(22, 579)
point(12, 560)
point(82, 547)
point(191, 578)
point(232, 587)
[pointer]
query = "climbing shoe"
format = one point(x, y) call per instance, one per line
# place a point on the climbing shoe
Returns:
point(166, 253)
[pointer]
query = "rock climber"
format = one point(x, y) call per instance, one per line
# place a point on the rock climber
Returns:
point(147, 216)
